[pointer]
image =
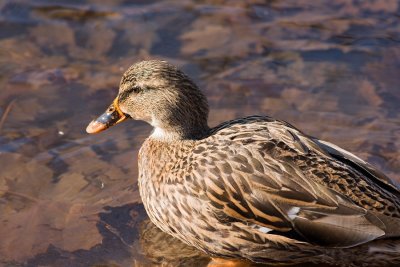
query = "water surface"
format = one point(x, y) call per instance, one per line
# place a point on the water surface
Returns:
point(331, 68)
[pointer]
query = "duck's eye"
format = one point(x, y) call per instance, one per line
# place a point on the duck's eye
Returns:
point(136, 89)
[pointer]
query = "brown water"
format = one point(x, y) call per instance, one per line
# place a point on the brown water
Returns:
point(332, 68)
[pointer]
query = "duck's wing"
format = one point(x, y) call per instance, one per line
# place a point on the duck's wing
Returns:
point(360, 165)
point(352, 161)
point(273, 178)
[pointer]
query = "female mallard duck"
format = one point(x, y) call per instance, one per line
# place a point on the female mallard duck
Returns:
point(254, 188)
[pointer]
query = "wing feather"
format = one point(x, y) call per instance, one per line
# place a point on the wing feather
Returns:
point(264, 185)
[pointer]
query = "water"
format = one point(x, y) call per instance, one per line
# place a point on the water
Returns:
point(331, 68)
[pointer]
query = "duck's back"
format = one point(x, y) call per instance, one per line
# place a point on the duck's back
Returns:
point(261, 181)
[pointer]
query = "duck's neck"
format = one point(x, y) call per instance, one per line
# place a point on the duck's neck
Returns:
point(179, 132)
point(183, 117)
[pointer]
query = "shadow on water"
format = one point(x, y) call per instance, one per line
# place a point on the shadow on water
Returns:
point(69, 199)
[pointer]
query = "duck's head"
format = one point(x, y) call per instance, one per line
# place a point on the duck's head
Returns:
point(163, 96)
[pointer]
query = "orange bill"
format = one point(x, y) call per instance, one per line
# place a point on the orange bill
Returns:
point(112, 116)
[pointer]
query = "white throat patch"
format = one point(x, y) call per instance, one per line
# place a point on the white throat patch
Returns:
point(159, 133)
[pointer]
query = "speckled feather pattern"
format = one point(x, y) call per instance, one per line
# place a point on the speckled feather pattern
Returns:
point(256, 187)
point(215, 192)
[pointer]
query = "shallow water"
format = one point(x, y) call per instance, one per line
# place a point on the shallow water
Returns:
point(331, 68)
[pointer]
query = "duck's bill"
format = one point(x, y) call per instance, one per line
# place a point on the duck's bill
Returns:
point(112, 116)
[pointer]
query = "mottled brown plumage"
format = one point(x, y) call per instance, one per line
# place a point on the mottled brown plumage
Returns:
point(254, 188)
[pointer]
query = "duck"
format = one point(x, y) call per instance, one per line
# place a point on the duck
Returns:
point(253, 189)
